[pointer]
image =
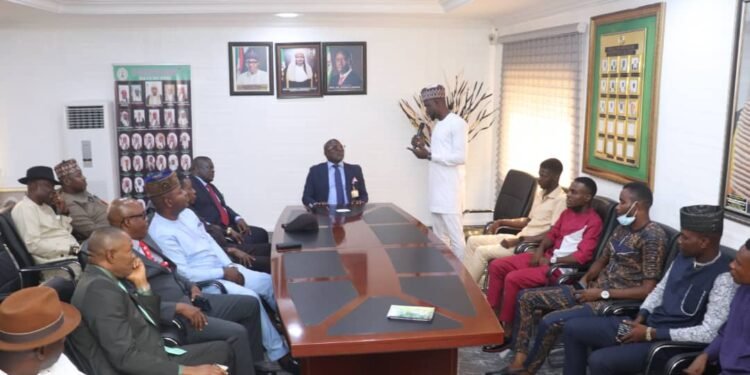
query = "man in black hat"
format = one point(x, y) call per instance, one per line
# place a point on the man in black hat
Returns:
point(690, 303)
point(47, 233)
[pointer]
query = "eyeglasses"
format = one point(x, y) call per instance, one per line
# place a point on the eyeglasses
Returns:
point(141, 215)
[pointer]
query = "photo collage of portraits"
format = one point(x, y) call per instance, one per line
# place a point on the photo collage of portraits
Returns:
point(154, 131)
point(618, 122)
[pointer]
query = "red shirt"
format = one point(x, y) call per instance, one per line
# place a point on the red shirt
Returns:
point(571, 222)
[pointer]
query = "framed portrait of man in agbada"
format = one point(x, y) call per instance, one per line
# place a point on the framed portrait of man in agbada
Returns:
point(623, 94)
point(345, 65)
point(298, 70)
point(251, 68)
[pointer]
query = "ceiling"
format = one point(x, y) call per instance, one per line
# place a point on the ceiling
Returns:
point(490, 11)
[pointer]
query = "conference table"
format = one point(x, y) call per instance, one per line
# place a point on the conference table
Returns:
point(334, 294)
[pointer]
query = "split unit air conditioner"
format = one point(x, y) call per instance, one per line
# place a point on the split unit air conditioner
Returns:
point(89, 137)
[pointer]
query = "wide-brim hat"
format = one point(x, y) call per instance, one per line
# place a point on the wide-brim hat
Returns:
point(34, 317)
point(39, 172)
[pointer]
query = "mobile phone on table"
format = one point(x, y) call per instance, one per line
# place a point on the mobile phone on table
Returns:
point(288, 246)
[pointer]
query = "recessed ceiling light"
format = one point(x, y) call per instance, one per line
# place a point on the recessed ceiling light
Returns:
point(287, 15)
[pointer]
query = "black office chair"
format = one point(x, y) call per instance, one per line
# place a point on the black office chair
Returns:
point(514, 200)
point(29, 271)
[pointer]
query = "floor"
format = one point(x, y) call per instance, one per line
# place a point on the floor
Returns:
point(473, 361)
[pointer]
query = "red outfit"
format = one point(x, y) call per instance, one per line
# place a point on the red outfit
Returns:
point(510, 275)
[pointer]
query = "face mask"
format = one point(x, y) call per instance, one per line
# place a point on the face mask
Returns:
point(626, 220)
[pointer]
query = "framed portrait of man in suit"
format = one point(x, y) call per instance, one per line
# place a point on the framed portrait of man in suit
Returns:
point(250, 68)
point(345, 67)
point(298, 70)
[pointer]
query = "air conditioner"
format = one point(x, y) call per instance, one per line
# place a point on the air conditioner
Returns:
point(89, 137)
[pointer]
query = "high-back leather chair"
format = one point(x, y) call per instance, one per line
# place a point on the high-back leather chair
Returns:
point(515, 198)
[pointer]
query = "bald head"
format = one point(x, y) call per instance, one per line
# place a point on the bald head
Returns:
point(105, 240)
point(203, 167)
point(119, 209)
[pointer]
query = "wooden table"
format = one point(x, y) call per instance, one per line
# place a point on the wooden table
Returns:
point(334, 293)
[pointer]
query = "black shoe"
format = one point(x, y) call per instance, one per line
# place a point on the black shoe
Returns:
point(496, 348)
point(266, 367)
point(289, 364)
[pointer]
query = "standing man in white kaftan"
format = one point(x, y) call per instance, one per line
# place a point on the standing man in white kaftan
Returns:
point(447, 156)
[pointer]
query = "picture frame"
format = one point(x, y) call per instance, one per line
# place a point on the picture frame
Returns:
point(251, 68)
point(624, 47)
point(298, 70)
point(735, 194)
point(345, 65)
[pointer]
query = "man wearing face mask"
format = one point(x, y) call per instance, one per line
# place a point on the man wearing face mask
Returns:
point(628, 269)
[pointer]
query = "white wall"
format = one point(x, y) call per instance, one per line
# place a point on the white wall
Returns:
point(262, 146)
point(693, 102)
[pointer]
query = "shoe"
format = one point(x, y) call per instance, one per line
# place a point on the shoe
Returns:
point(496, 348)
point(266, 367)
point(289, 364)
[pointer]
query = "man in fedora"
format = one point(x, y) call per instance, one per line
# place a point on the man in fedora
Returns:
point(120, 333)
point(33, 326)
point(47, 233)
point(87, 211)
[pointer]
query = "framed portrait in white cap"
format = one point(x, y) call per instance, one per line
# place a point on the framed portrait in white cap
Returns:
point(250, 68)
point(298, 70)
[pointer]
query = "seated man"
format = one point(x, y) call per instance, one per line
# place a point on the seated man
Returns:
point(34, 324)
point(572, 240)
point(47, 234)
point(182, 237)
point(233, 318)
point(690, 303)
point(238, 251)
point(120, 330)
point(334, 182)
point(549, 203)
point(87, 211)
point(730, 346)
point(210, 205)
point(629, 268)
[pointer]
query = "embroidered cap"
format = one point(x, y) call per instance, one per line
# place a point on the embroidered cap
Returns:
point(160, 183)
point(433, 92)
point(702, 218)
point(67, 168)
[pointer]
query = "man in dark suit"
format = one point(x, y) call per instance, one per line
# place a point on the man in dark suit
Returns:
point(233, 318)
point(210, 205)
point(344, 76)
point(327, 184)
point(119, 332)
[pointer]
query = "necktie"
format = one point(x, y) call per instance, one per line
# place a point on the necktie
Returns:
point(147, 252)
point(340, 200)
point(223, 215)
point(341, 80)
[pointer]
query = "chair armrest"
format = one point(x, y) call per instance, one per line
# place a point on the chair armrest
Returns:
point(507, 230)
point(525, 246)
point(56, 265)
point(623, 307)
point(478, 211)
point(216, 283)
point(173, 333)
point(570, 278)
point(661, 352)
point(681, 361)
point(574, 266)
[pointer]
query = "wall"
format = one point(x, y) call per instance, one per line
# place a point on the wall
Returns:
point(262, 146)
point(693, 102)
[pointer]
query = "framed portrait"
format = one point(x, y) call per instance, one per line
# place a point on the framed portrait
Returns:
point(250, 68)
point(630, 43)
point(298, 70)
point(345, 65)
point(735, 192)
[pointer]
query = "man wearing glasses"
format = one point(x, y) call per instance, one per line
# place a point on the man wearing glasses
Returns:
point(334, 183)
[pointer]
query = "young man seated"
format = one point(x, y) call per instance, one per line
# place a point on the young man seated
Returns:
point(629, 268)
point(730, 346)
point(572, 240)
point(690, 303)
point(549, 203)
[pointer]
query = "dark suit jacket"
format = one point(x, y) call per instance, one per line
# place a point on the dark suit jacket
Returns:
point(204, 206)
point(352, 80)
point(114, 337)
point(316, 185)
point(170, 286)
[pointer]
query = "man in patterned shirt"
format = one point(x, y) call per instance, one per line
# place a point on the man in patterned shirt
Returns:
point(629, 269)
point(690, 303)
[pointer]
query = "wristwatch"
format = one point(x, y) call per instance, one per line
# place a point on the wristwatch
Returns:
point(553, 260)
point(649, 335)
point(605, 294)
point(229, 231)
